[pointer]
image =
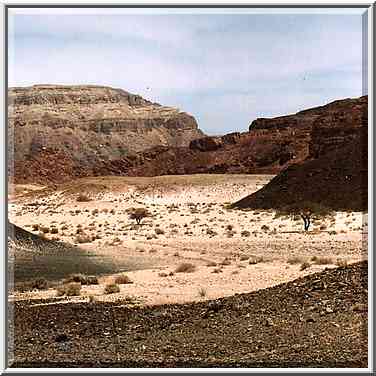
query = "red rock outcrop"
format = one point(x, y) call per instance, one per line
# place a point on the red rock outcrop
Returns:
point(335, 172)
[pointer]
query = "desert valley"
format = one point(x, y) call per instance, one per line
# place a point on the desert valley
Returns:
point(135, 240)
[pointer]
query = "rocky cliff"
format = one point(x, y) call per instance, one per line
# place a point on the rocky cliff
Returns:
point(270, 145)
point(84, 126)
point(61, 133)
point(334, 172)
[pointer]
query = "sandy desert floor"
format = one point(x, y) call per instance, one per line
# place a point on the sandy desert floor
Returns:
point(232, 251)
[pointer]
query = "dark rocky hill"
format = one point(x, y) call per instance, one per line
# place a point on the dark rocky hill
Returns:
point(335, 171)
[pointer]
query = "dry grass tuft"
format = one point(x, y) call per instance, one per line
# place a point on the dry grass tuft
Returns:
point(202, 292)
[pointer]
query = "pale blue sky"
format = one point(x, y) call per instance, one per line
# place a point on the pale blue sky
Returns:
point(225, 69)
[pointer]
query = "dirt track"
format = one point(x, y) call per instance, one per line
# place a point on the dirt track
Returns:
point(316, 321)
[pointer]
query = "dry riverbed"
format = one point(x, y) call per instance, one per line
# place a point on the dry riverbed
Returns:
point(220, 251)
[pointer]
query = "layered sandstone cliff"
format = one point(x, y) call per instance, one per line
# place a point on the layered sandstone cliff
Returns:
point(87, 125)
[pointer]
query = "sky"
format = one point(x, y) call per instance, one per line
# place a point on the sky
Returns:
point(226, 68)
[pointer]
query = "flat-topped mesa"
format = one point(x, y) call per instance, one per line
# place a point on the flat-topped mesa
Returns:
point(87, 125)
point(81, 94)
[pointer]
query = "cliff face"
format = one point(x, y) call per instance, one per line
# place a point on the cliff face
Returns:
point(334, 173)
point(89, 125)
point(60, 133)
point(270, 145)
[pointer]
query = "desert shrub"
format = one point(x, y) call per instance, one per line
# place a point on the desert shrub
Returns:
point(44, 229)
point(159, 231)
point(82, 238)
point(122, 279)
point(245, 233)
point(54, 230)
point(211, 263)
point(211, 232)
point(69, 289)
point(185, 267)
point(36, 284)
point(35, 227)
point(305, 265)
point(265, 228)
point(39, 284)
point(229, 227)
point(139, 214)
point(111, 288)
point(83, 279)
point(83, 198)
point(244, 257)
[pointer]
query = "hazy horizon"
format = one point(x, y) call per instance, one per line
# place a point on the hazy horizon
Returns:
point(226, 69)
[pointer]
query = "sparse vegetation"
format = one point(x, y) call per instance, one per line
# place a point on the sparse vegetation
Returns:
point(111, 288)
point(36, 284)
point(159, 231)
point(83, 279)
point(305, 265)
point(307, 211)
point(139, 214)
point(122, 279)
point(245, 233)
point(83, 198)
point(69, 289)
point(185, 267)
point(83, 238)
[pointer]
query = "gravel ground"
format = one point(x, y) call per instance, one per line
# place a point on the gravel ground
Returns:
point(318, 320)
